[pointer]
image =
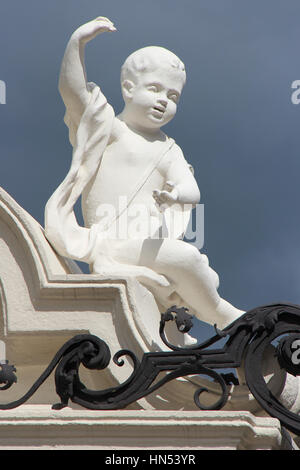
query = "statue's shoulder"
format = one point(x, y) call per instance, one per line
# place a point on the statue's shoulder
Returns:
point(118, 129)
point(175, 151)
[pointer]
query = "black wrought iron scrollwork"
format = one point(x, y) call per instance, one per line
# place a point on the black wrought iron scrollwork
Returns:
point(245, 340)
point(283, 325)
point(7, 375)
point(219, 404)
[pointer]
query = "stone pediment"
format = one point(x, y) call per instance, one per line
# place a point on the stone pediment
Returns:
point(46, 299)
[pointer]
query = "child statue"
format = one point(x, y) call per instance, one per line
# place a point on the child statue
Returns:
point(125, 161)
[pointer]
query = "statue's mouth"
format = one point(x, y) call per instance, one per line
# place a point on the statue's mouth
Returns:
point(159, 109)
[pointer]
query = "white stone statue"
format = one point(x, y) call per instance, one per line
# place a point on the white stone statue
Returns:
point(132, 177)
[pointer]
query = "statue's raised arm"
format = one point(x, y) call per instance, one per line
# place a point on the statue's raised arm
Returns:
point(73, 84)
point(90, 119)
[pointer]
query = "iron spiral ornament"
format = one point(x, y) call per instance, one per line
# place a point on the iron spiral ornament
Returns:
point(245, 341)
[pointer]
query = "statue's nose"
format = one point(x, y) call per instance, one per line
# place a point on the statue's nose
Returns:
point(163, 102)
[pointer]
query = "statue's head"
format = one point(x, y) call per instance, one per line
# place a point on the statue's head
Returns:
point(152, 79)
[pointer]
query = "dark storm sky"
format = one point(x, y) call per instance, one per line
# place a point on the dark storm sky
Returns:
point(236, 123)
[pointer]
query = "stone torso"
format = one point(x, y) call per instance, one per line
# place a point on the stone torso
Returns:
point(122, 175)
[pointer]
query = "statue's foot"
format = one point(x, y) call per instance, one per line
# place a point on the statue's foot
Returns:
point(226, 314)
point(189, 340)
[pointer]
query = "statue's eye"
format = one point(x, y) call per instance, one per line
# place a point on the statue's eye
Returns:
point(153, 88)
point(174, 97)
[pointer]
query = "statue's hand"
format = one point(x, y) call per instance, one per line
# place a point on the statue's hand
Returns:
point(167, 197)
point(90, 30)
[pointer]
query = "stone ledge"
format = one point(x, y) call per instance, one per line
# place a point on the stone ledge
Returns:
point(130, 429)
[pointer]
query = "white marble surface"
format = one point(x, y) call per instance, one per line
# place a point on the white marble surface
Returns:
point(161, 430)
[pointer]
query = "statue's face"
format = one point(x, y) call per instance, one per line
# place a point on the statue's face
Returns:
point(152, 99)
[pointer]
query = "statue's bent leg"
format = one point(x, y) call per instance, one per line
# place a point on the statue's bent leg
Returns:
point(195, 282)
point(187, 269)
